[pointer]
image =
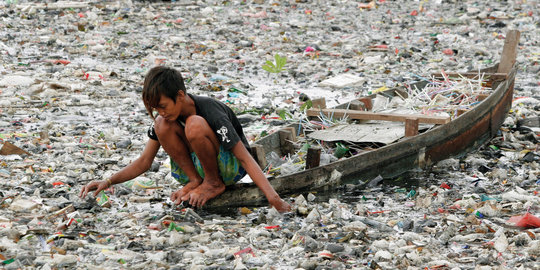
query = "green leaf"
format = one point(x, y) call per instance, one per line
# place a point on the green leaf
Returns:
point(280, 61)
point(284, 114)
point(268, 68)
point(268, 62)
point(307, 105)
point(277, 66)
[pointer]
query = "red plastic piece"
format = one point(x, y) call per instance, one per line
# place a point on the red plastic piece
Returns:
point(526, 221)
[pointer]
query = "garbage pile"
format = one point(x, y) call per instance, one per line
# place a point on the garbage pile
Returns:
point(448, 96)
point(70, 112)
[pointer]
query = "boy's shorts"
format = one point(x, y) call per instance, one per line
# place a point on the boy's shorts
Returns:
point(229, 167)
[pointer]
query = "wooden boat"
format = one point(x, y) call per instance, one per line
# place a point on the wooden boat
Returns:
point(453, 138)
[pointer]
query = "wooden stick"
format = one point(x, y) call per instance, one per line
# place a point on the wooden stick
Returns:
point(60, 5)
point(63, 211)
point(411, 127)
point(352, 114)
point(313, 158)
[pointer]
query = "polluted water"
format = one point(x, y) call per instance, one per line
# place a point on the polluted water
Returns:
point(71, 112)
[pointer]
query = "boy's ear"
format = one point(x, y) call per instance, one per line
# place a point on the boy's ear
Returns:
point(181, 94)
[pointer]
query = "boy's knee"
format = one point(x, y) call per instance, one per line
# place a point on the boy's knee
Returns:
point(161, 126)
point(196, 126)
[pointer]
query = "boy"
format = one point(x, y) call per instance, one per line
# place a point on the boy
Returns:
point(203, 138)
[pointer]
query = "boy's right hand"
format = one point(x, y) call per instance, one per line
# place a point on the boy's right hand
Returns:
point(98, 186)
point(281, 205)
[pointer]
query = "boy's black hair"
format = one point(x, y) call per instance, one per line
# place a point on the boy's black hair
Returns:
point(161, 80)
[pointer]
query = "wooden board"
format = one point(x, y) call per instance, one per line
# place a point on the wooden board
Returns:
point(385, 133)
point(363, 115)
point(491, 76)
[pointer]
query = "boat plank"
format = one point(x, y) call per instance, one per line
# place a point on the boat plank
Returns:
point(313, 158)
point(509, 54)
point(411, 127)
point(257, 151)
point(492, 76)
point(364, 115)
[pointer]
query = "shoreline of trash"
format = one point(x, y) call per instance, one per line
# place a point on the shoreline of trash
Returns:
point(70, 86)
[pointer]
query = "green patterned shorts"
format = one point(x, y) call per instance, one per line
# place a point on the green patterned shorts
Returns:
point(230, 169)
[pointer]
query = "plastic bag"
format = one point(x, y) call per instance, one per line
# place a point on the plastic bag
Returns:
point(290, 168)
point(275, 160)
point(526, 221)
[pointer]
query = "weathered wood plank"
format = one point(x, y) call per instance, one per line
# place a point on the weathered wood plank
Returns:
point(491, 76)
point(508, 57)
point(286, 139)
point(463, 134)
point(363, 115)
point(293, 132)
point(257, 151)
point(318, 103)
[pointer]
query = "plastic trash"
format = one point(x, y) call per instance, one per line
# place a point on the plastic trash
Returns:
point(484, 198)
point(526, 221)
point(175, 227)
point(103, 200)
point(290, 168)
point(274, 160)
point(375, 181)
point(340, 150)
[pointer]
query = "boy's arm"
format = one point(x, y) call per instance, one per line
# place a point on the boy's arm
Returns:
point(258, 177)
point(134, 169)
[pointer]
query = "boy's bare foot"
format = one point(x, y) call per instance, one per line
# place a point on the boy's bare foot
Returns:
point(177, 196)
point(204, 192)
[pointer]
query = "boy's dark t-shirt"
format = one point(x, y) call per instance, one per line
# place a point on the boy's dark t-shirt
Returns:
point(221, 119)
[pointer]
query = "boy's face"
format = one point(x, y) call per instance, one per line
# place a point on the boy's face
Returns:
point(168, 109)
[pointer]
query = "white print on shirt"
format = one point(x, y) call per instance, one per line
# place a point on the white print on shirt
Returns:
point(152, 133)
point(223, 132)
